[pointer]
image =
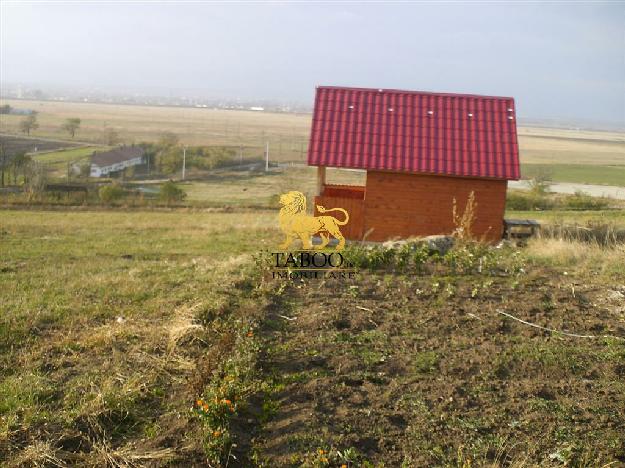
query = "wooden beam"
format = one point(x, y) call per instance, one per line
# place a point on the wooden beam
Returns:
point(321, 179)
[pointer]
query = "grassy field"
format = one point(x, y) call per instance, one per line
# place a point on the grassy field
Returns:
point(150, 338)
point(287, 133)
point(614, 216)
point(258, 188)
point(56, 161)
point(98, 339)
point(578, 173)
point(69, 155)
point(554, 146)
point(134, 334)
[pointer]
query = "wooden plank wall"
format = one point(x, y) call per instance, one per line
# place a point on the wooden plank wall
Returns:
point(355, 208)
point(402, 205)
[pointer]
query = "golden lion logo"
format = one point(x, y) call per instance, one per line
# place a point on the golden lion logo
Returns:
point(295, 223)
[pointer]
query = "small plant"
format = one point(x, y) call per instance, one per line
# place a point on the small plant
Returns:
point(464, 222)
point(426, 361)
point(215, 413)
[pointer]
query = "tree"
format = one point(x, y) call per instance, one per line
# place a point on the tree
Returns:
point(71, 126)
point(4, 158)
point(29, 123)
point(19, 163)
point(169, 156)
point(110, 193)
point(35, 177)
point(5, 109)
point(111, 136)
point(170, 192)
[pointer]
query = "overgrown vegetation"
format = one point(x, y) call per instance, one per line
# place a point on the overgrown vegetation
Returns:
point(110, 193)
point(171, 193)
point(532, 200)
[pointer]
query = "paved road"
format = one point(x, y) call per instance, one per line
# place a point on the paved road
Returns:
point(565, 187)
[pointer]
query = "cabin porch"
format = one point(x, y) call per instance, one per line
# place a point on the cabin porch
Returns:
point(349, 197)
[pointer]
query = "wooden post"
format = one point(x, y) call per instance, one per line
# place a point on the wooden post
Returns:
point(321, 179)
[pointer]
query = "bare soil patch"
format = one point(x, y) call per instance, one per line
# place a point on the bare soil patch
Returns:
point(421, 370)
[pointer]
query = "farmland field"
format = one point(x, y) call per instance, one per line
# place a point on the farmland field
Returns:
point(288, 133)
point(13, 145)
point(114, 324)
point(577, 173)
point(139, 333)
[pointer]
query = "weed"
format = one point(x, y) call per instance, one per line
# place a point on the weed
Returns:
point(426, 362)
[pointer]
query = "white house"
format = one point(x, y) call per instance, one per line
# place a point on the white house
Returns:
point(118, 159)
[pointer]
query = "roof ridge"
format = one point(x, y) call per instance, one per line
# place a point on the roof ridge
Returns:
point(406, 91)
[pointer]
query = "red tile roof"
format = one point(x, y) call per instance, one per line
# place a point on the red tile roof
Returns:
point(413, 131)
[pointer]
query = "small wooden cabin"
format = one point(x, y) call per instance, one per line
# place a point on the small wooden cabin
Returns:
point(420, 150)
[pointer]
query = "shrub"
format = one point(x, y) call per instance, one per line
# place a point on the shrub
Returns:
point(110, 193)
point(170, 192)
point(518, 201)
point(527, 201)
point(583, 201)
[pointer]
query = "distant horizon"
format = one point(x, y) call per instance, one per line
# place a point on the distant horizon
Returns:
point(302, 106)
point(558, 60)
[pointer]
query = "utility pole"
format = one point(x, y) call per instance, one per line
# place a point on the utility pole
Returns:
point(184, 161)
point(267, 157)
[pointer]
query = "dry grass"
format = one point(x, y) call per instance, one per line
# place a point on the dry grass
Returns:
point(582, 256)
point(103, 331)
point(286, 133)
point(544, 145)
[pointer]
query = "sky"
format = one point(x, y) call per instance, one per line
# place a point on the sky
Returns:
point(558, 60)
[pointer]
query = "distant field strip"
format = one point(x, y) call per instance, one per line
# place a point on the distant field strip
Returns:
point(577, 173)
point(286, 133)
point(64, 156)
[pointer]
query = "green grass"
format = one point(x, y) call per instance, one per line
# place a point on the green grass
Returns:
point(96, 314)
point(578, 173)
point(69, 155)
point(616, 217)
point(262, 189)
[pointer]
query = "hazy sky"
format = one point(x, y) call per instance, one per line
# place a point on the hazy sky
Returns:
point(557, 60)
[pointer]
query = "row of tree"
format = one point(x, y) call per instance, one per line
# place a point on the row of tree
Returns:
point(166, 155)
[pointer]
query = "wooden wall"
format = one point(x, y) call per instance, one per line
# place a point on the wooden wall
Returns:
point(355, 208)
point(403, 205)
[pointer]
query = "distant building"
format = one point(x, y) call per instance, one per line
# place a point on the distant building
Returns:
point(118, 159)
point(16, 111)
point(256, 108)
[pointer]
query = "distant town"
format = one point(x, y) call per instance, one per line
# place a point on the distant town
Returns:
point(177, 99)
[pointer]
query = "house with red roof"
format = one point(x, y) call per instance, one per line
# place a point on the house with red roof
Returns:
point(420, 151)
